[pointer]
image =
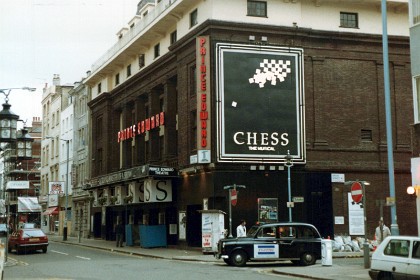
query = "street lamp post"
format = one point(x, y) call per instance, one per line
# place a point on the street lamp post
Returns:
point(394, 225)
point(289, 164)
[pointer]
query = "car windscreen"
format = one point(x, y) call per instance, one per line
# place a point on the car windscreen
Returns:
point(251, 232)
point(33, 233)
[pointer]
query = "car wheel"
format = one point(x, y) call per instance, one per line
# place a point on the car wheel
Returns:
point(307, 259)
point(44, 250)
point(227, 261)
point(238, 258)
point(385, 276)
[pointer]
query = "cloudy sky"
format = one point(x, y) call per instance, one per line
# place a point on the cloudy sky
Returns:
point(40, 38)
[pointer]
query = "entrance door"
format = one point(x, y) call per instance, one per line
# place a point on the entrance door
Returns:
point(194, 225)
point(97, 225)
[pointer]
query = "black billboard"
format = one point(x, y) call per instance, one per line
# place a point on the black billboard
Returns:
point(260, 103)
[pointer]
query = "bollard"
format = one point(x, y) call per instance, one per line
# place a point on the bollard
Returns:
point(366, 252)
point(326, 252)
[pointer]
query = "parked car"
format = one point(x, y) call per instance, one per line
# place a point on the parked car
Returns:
point(3, 229)
point(297, 242)
point(24, 240)
point(397, 257)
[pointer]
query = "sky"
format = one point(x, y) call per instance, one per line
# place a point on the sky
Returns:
point(40, 38)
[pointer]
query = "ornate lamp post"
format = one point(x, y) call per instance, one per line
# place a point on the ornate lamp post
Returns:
point(8, 133)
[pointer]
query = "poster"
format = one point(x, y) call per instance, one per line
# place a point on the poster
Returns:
point(356, 218)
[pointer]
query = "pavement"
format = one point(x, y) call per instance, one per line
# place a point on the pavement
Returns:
point(342, 270)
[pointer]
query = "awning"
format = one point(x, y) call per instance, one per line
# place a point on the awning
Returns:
point(51, 211)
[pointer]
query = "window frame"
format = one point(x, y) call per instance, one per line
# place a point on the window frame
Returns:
point(117, 79)
point(173, 37)
point(253, 8)
point(156, 50)
point(128, 70)
point(142, 60)
point(345, 23)
point(193, 18)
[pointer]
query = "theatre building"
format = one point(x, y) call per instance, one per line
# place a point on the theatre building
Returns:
point(200, 97)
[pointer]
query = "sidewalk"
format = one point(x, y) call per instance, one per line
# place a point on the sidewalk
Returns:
point(317, 271)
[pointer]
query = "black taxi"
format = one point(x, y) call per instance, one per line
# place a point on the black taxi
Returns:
point(297, 242)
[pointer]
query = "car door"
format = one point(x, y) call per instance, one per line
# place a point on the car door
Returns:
point(266, 244)
point(287, 242)
point(395, 257)
point(413, 267)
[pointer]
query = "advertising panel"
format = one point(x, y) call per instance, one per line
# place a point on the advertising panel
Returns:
point(260, 112)
point(56, 187)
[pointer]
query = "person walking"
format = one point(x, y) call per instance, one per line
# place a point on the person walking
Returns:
point(241, 229)
point(119, 231)
point(381, 232)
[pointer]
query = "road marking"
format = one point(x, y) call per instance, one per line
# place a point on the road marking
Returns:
point(59, 252)
point(84, 258)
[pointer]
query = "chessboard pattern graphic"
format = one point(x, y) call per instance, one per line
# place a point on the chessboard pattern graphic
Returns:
point(271, 70)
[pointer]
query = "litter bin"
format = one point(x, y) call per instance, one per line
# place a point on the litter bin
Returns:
point(326, 252)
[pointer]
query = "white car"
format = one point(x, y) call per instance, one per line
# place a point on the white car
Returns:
point(397, 257)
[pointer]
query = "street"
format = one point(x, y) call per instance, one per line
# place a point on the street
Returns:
point(76, 262)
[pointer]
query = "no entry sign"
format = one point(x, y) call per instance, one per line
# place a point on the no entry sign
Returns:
point(233, 197)
point(356, 192)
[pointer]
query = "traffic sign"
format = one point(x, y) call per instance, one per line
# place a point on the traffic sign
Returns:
point(356, 192)
point(233, 197)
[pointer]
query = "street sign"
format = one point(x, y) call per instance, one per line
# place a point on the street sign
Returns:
point(233, 197)
point(298, 199)
point(356, 192)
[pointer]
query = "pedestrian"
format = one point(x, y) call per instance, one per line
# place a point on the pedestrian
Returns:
point(119, 231)
point(381, 232)
point(241, 229)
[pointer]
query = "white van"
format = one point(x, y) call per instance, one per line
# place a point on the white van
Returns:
point(397, 257)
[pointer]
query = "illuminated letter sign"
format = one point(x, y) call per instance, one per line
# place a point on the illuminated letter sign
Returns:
point(203, 94)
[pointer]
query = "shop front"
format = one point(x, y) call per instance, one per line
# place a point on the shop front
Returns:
point(142, 199)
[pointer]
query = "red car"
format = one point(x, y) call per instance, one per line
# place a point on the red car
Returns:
point(28, 239)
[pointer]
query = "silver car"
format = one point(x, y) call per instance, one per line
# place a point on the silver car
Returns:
point(397, 257)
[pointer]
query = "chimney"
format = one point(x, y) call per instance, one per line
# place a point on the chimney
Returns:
point(56, 80)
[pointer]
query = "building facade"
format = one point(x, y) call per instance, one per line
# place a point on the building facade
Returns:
point(57, 133)
point(197, 97)
point(415, 72)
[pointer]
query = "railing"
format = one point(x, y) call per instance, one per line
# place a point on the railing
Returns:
point(138, 28)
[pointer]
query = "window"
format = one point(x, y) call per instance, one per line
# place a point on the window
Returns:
point(397, 248)
point(416, 250)
point(99, 127)
point(193, 18)
point(257, 8)
point(141, 61)
point(157, 50)
point(128, 70)
point(415, 7)
point(349, 20)
point(366, 135)
point(193, 125)
point(173, 37)
point(99, 88)
point(117, 79)
point(193, 81)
